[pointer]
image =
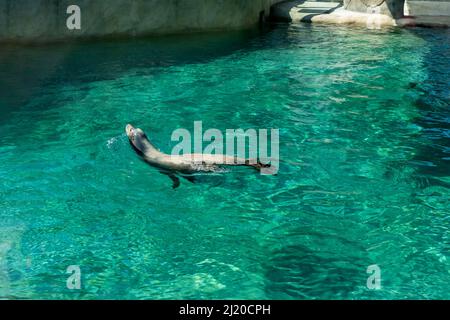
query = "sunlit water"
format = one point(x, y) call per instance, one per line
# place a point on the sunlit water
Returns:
point(364, 139)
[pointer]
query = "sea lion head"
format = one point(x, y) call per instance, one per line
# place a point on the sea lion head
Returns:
point(138, 139)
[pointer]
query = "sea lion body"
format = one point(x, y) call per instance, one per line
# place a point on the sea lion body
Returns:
point(186, 164)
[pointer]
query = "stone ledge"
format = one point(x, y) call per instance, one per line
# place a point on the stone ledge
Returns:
point(334, 13)
point(427, 8)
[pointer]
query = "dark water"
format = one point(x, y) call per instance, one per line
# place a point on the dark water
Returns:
point(364, 138)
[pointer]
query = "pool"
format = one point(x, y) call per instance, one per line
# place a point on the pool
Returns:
point(364, 124)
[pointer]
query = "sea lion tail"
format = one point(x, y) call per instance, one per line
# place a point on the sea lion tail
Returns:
point(258, 165)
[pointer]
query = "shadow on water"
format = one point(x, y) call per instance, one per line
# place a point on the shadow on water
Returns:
point(27, 72)
point(310, 275)
point(30, 74)
point(433, 157)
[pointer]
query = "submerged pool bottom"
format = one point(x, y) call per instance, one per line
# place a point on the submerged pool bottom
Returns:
point(363, 180)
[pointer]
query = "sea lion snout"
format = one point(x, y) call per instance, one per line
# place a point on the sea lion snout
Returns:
point(134, 133)
point(129, 128)
point(137, 139)
point(130, 131)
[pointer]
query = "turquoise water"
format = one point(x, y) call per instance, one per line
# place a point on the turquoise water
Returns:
point(364, 139)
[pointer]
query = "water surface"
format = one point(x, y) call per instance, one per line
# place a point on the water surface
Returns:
point(364, 139)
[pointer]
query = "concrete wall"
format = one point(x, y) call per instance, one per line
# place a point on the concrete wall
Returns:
point(427, 8)
point(45, 20)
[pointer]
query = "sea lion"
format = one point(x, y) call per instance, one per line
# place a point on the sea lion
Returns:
point(182, 165)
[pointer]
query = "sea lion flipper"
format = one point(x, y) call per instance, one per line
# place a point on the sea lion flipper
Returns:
point(258, 165)
point(191, 179)
point(174, 178)
point(176, 181)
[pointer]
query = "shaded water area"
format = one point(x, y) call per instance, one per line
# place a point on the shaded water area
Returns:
point(364, 142)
